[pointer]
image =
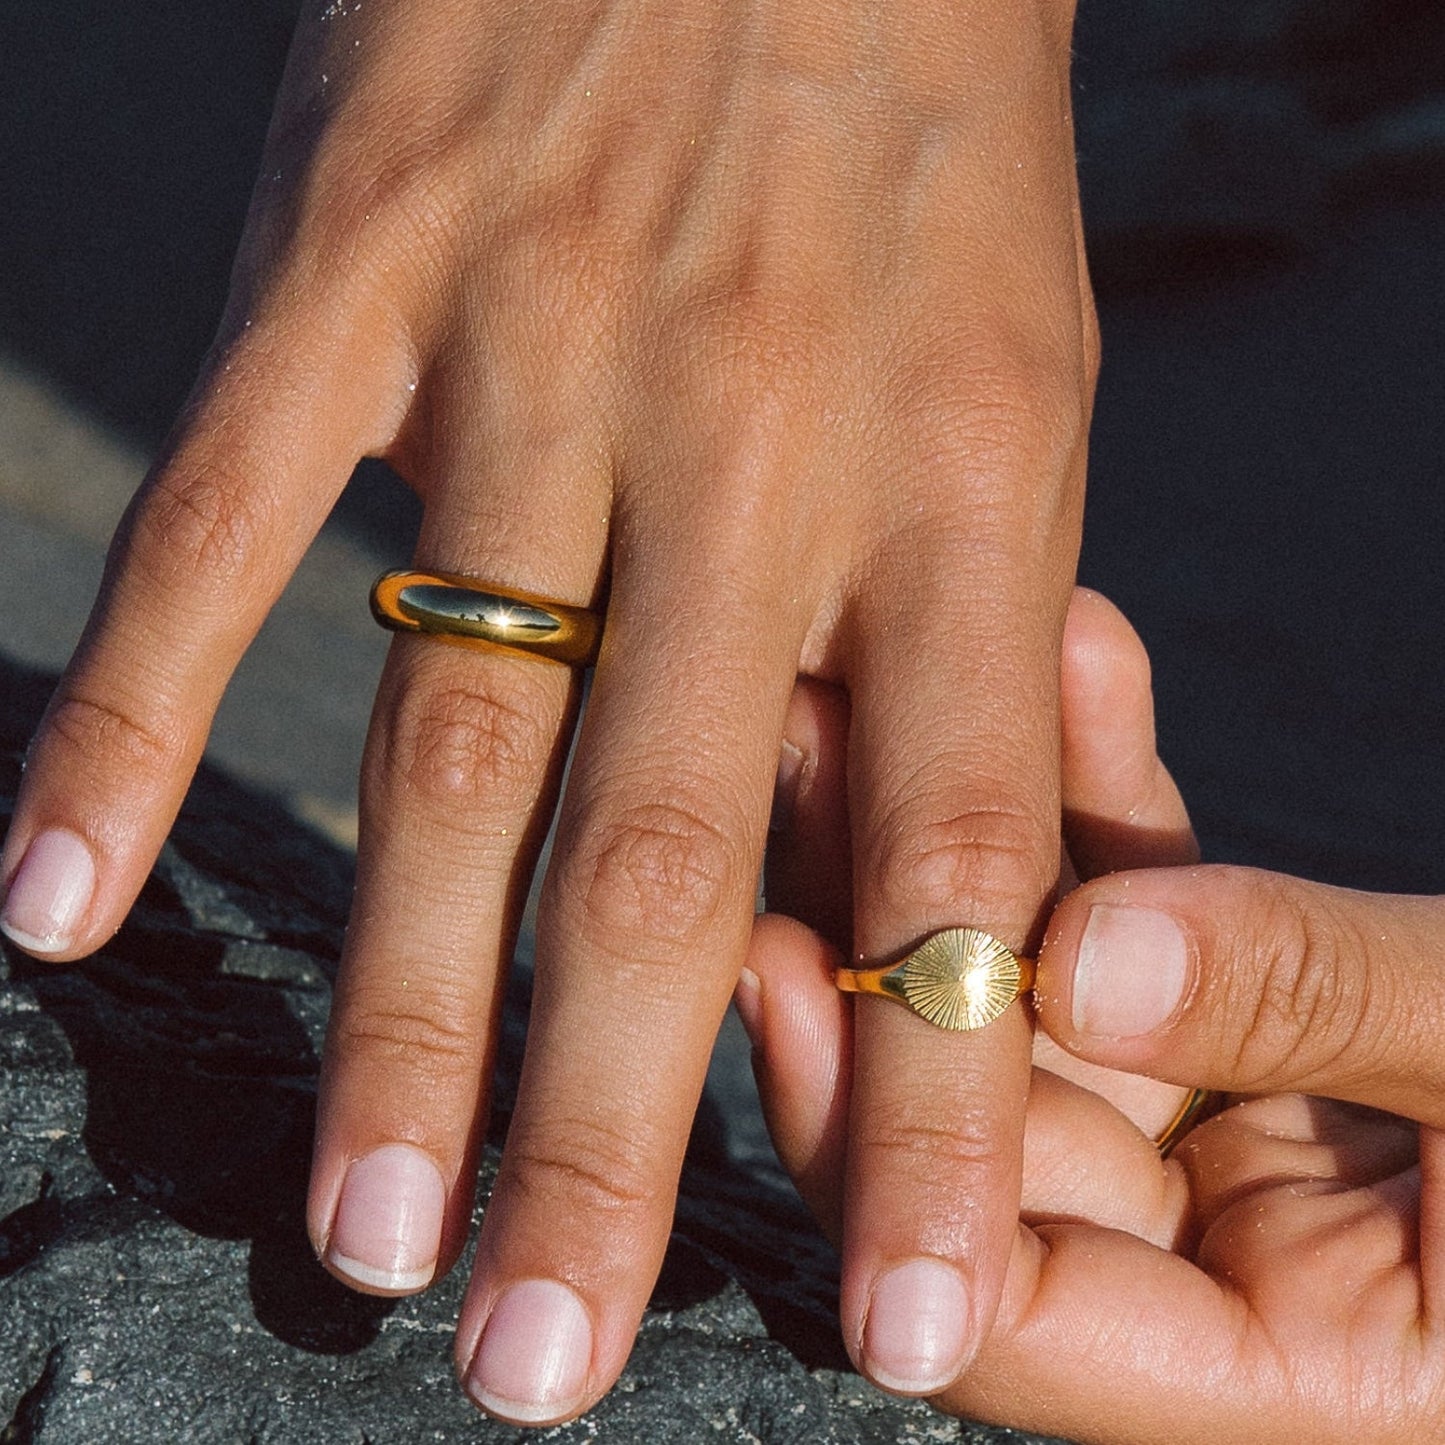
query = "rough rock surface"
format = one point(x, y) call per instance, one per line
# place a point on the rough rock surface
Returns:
point(155, 1280)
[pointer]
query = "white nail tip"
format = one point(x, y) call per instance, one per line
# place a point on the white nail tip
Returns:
point(897, 1386)
point(34, 943)
point(401, 1281)
point(520, 1412)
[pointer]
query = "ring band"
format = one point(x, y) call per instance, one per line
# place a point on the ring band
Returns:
point(961, 978)
point(473, 613)
point(1198, 1103)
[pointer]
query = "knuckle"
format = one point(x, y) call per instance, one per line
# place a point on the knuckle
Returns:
point(454, 743)
point(95, 727)
point(594, 1166)
point(422, 1037)
point(202, 525)
point(375, 195)
point(988, 857)
point(762, 347)
point(981, 407)
point(924, 1153)
point(1309, 1006)
point(661, 871)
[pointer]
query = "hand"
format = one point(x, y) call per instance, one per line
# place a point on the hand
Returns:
point(1120, 805)
point(1280, 1277)
point(767, 324)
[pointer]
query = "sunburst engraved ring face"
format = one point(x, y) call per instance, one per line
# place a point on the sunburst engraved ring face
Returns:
point(962, 978)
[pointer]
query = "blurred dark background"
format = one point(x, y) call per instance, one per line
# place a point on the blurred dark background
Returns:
point(1265, 191)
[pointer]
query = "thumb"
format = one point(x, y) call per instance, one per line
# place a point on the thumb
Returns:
point(1252, 982)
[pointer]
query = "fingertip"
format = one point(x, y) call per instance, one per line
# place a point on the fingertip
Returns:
point(1117, 968)
point(49, 896)
point(916, 1335)
point(801, 1030)
point(1105, 674)
point(1098, 637)
point(533, 1362)
point(782, 946)
point(386, 1231)
point(1131, 969)
point(787, 997)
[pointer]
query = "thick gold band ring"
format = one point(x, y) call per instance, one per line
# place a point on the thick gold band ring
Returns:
point(964, 978)
point(472, 613)
point(961, 978)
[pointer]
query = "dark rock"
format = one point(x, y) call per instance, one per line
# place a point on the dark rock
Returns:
point(155, 1279)
point(1219, 139)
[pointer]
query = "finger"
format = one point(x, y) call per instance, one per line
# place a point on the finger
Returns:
point(1090, 1156)
point(1121, 808)
point(1432, 1225)
point(1252, 982)
point(808, 869)
point(460, 774)
point(955, 821)
point(257, 460)
point(801, 1029)
point(643, 924)
point(1290, 1141)
point(1099, 1335)
point(1105, 1339)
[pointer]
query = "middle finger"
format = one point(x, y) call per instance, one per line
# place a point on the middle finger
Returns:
point(643, 922)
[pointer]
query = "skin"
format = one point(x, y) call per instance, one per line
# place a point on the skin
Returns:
point(1282, 1276)
point(766, 326)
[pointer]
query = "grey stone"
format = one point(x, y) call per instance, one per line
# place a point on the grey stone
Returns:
point(155, 1279)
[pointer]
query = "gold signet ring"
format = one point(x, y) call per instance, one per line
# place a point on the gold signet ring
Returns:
point(472, 613)
point(961, 978)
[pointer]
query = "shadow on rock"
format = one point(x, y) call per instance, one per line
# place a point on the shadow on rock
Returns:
point(198, 1030)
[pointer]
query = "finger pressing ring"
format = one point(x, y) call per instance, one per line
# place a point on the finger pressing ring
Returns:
point(963, 979)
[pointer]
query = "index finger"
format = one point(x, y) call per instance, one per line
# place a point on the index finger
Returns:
point(206, 547)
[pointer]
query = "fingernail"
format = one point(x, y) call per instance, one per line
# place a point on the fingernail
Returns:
point(1130, 972)
point(748, 1001)
point(785, 788)
point(50, 893)
point(388, 1225)
point(916, 1333)
point(536, 1350)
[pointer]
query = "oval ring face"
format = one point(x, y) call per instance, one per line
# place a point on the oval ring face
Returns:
point(476, 613)
point(469, 612)
point(962, 978)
